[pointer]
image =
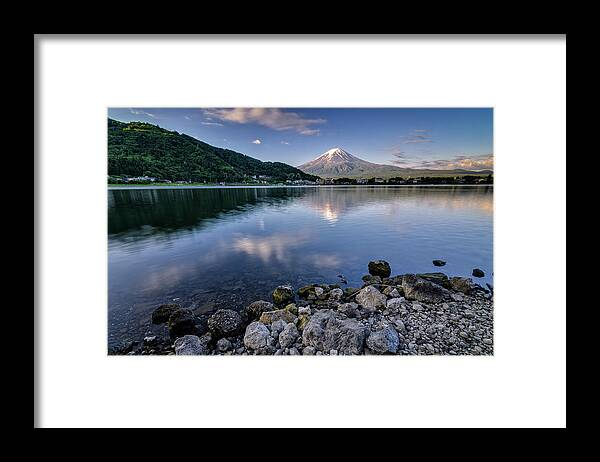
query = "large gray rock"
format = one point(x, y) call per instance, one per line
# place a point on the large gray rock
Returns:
point(255, 309)
point(380, 268)
point(326, 332)
point(288, 335)
point(395, 304)
point(192, 345)
point(269, 317)
point(256, 335)
point(225, 323)
point(336, 294)
point(422, 290)
point(383, 341)
point(371, 299)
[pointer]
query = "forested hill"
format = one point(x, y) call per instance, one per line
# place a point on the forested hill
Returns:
point(138, 149)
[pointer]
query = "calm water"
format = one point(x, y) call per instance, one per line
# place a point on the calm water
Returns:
point(226, 247)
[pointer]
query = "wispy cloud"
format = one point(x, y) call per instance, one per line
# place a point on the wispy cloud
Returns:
point(274, 118)
point(285, 142)
point(142, 112)
point(187, 117)
point(257, 141)
point(417, 136)
point(216, 124)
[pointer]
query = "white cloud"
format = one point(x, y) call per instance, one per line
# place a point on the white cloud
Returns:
point(187, 117)
point(216, 124)
point(256, 141)
point(285, 142)
point(142, 112)
point(274, 118)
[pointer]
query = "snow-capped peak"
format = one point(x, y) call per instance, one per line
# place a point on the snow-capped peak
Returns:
point(336, 152)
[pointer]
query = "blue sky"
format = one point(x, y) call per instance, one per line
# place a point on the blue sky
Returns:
point(407, 137)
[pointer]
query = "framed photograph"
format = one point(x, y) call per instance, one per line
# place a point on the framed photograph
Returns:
point(221, 216)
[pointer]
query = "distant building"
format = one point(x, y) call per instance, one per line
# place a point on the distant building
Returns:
point(362, 181)
point(379, 180)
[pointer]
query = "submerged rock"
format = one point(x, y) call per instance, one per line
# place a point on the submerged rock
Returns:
point(256, 335)
point(192, 345)
point(371, 299)
point(326, 332)
point(162, 314)
point(383, 341)
point(225, 323)
point(181, 322)
point(282, 295)
point(422, 290)
point(380, 268)
point(478, 273)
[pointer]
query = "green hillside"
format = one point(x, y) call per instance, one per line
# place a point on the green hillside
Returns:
point(138, 149)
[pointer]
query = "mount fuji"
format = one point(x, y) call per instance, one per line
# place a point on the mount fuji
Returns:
point(337, 163)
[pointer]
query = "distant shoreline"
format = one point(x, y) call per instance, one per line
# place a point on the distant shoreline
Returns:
point(206, 186)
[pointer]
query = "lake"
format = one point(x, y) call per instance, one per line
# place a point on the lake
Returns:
point(209, 248)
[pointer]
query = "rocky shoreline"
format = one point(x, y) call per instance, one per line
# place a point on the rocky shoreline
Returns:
point(409, 314)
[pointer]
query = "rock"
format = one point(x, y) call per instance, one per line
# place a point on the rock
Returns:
point(268, 317)
point(150, 340)
point(181, 322)
point(478, 273)
point(371, 299)
point(307, 292)
point(277, 327)
point(349, 309)
point(391, 292)
point(464, 285)
point(437, 278)
point(224, 345)
point(192, 345)
point(225, 323)
point(292, 308)
point(303, 320)
point(288, 335)
point(333, 352)
point(416, 288)
point(255, 309)
point(350, 291)
point(309, 351)
point(395, 304)
point(336, 294)
point(256, 335)
point(319, 291)
point(162, 314)
point(294, 352)
point(380, 268)
point(282, 295)
point(438, 262)
point(369, 279)
point(325, 332)
point(383, 341)
point(304, 310)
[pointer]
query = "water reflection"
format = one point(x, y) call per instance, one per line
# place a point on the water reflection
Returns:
point(212, 248)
